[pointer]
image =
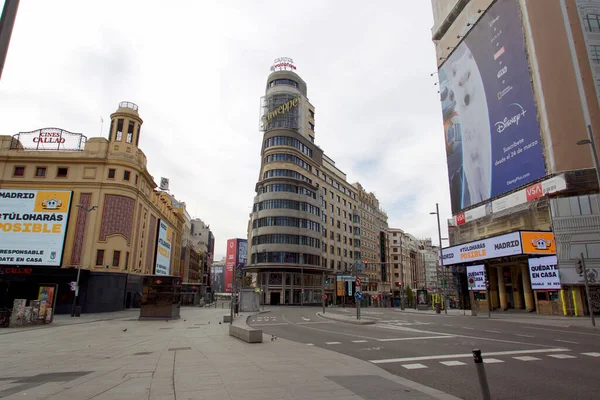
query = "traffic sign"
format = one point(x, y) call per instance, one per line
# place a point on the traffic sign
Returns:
point(257, 290)
point(357, 281)
point(471, 281)
point(324, 296)
point(358, 296)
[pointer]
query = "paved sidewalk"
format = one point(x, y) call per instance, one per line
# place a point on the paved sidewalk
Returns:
point(191, 358)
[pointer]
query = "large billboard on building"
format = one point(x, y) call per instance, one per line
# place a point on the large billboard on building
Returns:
point(230, 262)
point(281, 110)
point(163, 249)
point(544, 273)
point(33, 225)
point(242, 250)
point(492, 134)
point(54, 139)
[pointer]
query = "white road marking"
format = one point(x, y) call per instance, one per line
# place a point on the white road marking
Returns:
point(452, 363)
point(305, 319)
point(315, 322)
point(565, 341)
point(493, 331)
point(556, 330)
point(414, 338)
point(446, 324)
point(309, 344)
point(520, 334)
point(527, 358)
point(466, 355)
point(271, 324)
point(492, 361)
point(561, 356)
point(591, 354)
point(359, 341)
point(414, 366)
point(466, 327)
point(333, 342)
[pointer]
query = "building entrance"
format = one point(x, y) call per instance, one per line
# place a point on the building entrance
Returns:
point(275, 298)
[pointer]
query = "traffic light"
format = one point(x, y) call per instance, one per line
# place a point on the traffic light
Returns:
point(327, 281)
point(366, 262)
point(399, 284)
point(579, 267)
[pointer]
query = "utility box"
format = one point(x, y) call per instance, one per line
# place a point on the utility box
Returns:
point(249, 300)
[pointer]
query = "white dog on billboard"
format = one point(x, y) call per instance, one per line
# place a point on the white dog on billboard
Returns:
point(471, 107)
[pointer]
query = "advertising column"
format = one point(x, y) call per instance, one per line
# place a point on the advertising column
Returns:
point(230, 261)
point(163, 249)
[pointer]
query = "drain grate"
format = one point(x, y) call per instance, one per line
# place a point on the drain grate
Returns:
point(179, 348)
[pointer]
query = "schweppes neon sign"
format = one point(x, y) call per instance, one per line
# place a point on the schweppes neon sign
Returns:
point(281, 110)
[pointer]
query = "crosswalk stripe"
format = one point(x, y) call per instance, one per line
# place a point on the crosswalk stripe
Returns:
point(527, 358)
point(593, 354)
point(414, 366)
point(561, 356)
point(452, 363)
point(359, 341)
point(333, 342)
point(309, 344)
point(492, 361)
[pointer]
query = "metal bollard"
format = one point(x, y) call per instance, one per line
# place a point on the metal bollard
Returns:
point(483, 383)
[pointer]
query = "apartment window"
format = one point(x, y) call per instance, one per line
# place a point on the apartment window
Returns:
point(331, 249)
point(312, 113)
point(19, 171)
point(62, 172)
point(126, 260)
point(345, 215)
point(311, 126)
point(40, 172)
point(331, 235)
point(338, 211)
point(111, 173)
point(331, 207)
point(136, 179)
point(339, 251)
point(331, 193)
point(345, 240)
point(395, 257)
point(396, 275)
point(126, 175)
point(592, 22)
point(332, 222)
point(331, 264)
point(116, 258)
point(338, 198)
point(119, 129)
point(130, 132)
point(325, 191)
point(595, 54)
point(339, 237)
point(350, 253)
point(345, 253)
point(394, 234)
point(344, 202)
point(100, 257)
point(339, 225)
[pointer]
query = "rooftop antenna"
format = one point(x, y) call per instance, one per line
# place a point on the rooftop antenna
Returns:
point(101, 124)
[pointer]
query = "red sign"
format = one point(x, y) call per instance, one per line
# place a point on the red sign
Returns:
point(460, 219)
point(357, 282)
point(324, 296)
point(534, 192)
point(230, 262)
point(16, 271)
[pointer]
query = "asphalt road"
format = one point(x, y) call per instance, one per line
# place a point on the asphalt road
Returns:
point(522, 361)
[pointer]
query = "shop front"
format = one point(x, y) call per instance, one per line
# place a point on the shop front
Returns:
point(290, 287)
point(517, 270)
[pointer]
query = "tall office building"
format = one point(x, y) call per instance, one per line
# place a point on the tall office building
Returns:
point(519, 86)
point(304, 232)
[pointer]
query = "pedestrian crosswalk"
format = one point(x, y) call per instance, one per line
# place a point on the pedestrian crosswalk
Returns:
point(490, 360)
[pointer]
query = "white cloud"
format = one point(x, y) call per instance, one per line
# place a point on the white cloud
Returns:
point(197, 71)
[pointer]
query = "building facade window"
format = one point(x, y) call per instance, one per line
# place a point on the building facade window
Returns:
point(19, 171)
point(119, 130)
point(286, 239)
point(282, 157)
point(287, 221)
point(111, 173)
point(62, 172)
point(592, 23)
point(286, 173)
point(116, 258)
point(99, 257)
point(40, 172)
point(130, 132)
point(595, 54)
point(286, 258)
point(283, 187)
point(126, 175)
point(288, 82)
point(288, 204)
point(288, 141)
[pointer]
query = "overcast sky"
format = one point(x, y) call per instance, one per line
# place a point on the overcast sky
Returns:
point(197, 69)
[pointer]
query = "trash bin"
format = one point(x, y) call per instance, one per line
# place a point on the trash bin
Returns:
point(438, 308)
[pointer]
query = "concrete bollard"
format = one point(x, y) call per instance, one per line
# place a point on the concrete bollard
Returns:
point(483, 383)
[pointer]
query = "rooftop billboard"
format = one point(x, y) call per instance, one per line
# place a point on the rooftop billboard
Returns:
point(493, 142)
point(33, 225)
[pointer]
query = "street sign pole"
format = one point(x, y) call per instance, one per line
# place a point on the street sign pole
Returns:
point(358, 296)
point(587, 290)
point(323, 296)
point(472, 296)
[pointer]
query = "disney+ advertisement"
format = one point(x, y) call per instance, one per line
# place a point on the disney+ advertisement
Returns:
point(493, 142)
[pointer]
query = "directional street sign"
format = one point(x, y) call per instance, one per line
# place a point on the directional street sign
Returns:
point(358, 296)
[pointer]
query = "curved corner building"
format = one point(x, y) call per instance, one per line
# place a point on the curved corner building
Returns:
point(285, 231)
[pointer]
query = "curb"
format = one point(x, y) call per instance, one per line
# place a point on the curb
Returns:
point(347, 320)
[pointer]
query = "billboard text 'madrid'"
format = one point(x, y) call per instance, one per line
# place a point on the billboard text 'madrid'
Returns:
point(493, 142)
point(33, 225)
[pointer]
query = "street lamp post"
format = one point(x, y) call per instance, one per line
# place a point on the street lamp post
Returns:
point(437, 213)
point(85, 224)
point(7, 22)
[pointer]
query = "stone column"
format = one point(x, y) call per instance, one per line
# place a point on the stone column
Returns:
point(528, 293)
point(493, 278)
point(517, 290)
point(502, 289)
